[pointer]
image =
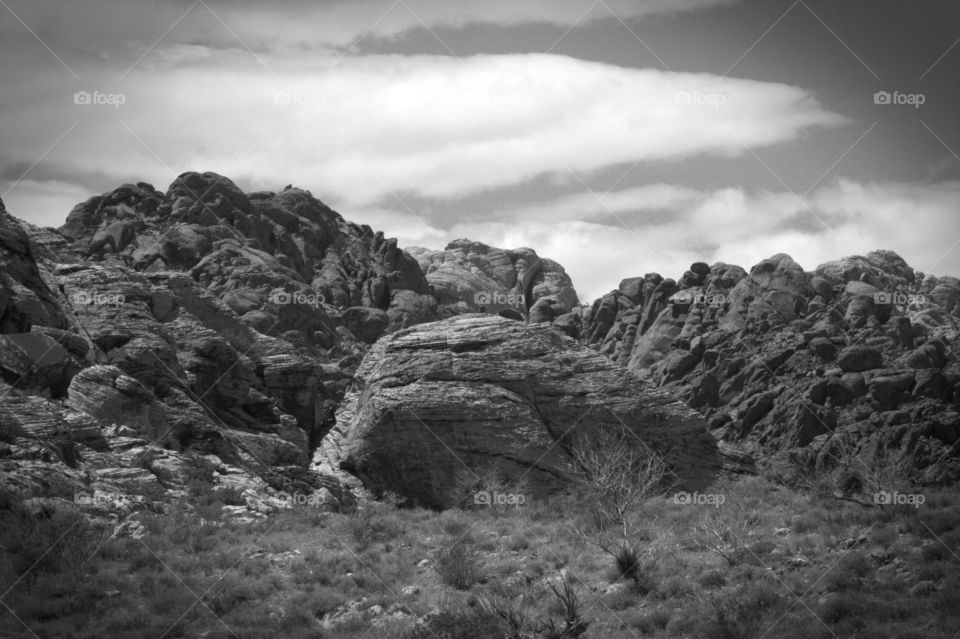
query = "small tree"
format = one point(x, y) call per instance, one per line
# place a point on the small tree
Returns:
point(619, 474)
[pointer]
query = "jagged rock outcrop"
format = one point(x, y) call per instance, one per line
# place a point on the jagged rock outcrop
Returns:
point(285, 262)
point(25, 298)
point(782, 361)
point(158, 333)
point(155, 331)
point(438, 402)
point(469, 276)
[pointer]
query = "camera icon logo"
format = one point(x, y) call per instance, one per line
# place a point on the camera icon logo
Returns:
point(882, 97)
point(81, 298)
point(882, 297)
point(481, 498)
point(682, 298)
point(481, 298)
point(82, 97)
point(281, 297)
point(682, 497)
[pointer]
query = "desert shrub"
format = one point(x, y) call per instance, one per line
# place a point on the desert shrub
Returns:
point(844, 606)
point(849, 572)
point(713, 579)
point(48, 542)
point(803, 523)
point(198, 475)
point(220, 496)
point(934, 571)
point(883, 535)
point(490, 488)
point(374, 522)
point(142, 559)
point(463, 624)
point(620, 599)
point(152, 492)
point(323, 601)
point(628, 563)
point(10, 431)
point(675, 587)
point(455, 523)
point(945, 600)
point(725, 534)
point(652, 622)
point(459, 564)
point(228, 593)
point(743, 614)
point(297, 619)
point(519, 624)
point(518, 542)
point(762, 548)
point(935, 551)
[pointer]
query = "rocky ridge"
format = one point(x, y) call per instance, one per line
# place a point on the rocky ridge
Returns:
point(160, 336)
point(267, 346)
point(861, 355)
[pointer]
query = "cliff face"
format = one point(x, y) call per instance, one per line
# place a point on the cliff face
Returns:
point(155, 333)
point(263, 341)
point(861, 353)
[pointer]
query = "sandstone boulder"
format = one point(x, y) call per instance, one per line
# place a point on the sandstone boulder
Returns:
point(438, 402)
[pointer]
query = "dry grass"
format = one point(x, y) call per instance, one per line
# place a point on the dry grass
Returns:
point(800, 569)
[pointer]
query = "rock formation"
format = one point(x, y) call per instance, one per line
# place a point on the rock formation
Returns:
point(438, 403)
point(862, 350)
point(156, 333)
point(264, 343)
point(469, 276)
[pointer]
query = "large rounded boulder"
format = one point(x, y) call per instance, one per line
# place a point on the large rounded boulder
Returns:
point(437, 403)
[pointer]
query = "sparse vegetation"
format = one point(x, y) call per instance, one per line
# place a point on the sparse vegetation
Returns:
point(459, 565)
point(802, 569)
point(618, 474)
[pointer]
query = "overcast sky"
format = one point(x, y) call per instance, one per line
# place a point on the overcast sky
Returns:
point(617, 137)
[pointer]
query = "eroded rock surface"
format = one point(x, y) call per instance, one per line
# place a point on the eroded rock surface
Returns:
point(862, 350)
point(160, 332)
point(468, 277)
point(437, 403)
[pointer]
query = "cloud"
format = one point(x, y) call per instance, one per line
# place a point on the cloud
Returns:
point(339, 24)
point(438, 127)
point(664, 228)
point(79, 33)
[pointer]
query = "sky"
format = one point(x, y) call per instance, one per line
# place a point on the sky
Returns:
point(617, 137)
